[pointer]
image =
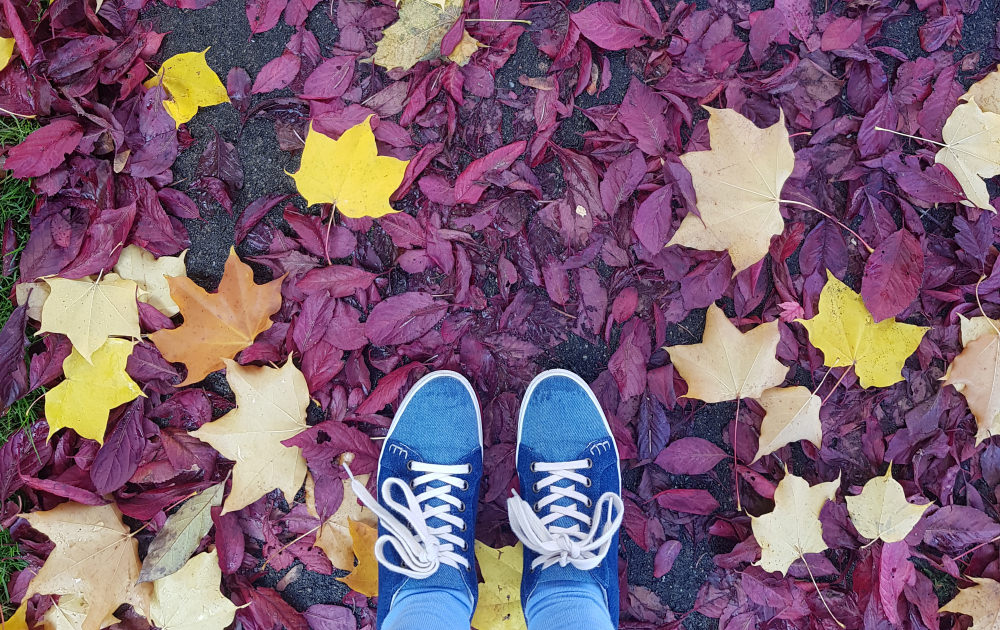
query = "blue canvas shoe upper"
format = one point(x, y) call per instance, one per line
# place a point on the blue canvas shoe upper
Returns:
point(428, 479)
point(570, 508)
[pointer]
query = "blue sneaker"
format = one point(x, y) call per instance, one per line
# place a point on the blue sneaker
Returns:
point(571, 509)
point(429, 472)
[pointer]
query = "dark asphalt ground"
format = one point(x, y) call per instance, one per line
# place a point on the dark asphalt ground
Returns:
point(225, 29)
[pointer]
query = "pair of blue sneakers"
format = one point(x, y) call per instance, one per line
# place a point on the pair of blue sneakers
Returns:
point(567, 514)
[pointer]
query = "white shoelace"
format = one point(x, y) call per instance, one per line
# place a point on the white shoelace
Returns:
point(422, 548)
point(565, 545)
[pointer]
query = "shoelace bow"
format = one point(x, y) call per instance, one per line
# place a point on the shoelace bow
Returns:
point(566, 545)
point(421, 547)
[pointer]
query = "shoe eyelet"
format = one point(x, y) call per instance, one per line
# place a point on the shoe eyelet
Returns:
point(465, 486)
point(531, 467)
point(409, 465)
point(464, 527)
point(536, 508)
point(461, 508)
point(465, 546)
point(534, 488)
point(469, 471)
point(588, 483)
point(590, 463)
point(589, 503)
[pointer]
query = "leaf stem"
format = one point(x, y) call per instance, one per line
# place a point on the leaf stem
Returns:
point(497, 20)
point(906, 135)
point(980, 303)
point(834, 388)
point(736, 463)
point(832, 218)
point(819, 592)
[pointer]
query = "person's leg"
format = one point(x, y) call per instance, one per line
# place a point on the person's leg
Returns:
point(428, 476)
point(570, 506)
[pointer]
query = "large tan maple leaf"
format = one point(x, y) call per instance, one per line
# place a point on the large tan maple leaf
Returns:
point(270, 407)
point(738, 185)
point(975, 372)
point(729, 364)
point(95, 557)
point(217, 325)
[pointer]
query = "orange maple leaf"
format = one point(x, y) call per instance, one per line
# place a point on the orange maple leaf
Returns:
point(364, 577)
point(217, 325)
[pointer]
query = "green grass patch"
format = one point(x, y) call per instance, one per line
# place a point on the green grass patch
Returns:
point(10, 562)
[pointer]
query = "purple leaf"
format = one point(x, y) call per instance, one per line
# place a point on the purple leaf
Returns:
point(651, 222)
point(329, 617)
point(688, 501)
point(603, 24)
point(13, 369)
point(330, 79)
point(663, 561)
point(841, 34)
point(628, 363)
point(621, 179)
point(892, 275)
point(690, 456)
point(403, 318)
point(44, 149)
point(263, 15)
point(642, 114)
point(277, 73)
point(469, 186)
point(119, 456)
point(953, 528)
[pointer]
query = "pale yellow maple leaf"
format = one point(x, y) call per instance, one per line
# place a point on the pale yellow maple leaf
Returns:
point(69, 613)
point(190, 599)
point(986, 92)
point(729, 364)
point(981, 602)
point(466, 47)
point(881, 511)
point(499, 606)
point(975, 373)
point(270, 407)
point(150, 274)
point(95, 557)
point(972, 150)
point(792, 414)
point(793, 528)
point(738, 186)
point(90, 311)
point(417, 34)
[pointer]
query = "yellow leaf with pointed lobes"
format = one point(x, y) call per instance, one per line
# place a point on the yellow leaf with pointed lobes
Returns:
point(88, 311)
point(971, 151)
point(150, 274)
point(738, 186)
point(189, 83)
point(881, 511)
point(792, 414)
point(190, 599)
point(729, 364)
point(270, 407)
point(91, 390)
point(846, 333)
point(499, 606)
point(348, 172)
point(792, 529)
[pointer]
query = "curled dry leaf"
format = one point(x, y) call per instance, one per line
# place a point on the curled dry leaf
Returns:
point(270, 407)
point(738, 187)
point(847, 335)
point(882, 512)
point(91, 390)
point(89, 312)
point(729, 364)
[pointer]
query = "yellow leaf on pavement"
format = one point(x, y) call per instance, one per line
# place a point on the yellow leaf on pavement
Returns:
point(792, 529)
point(270, 407)
point(190, 599)
point(417, 34)
point(973, 372)
point(349, 172)
point(847, 334)
point(88, 312)
point(91, 390)
point(217, 325)
point(738, 187)
point(792, 414)
point(95, 557)
point(6, 51)
point(972, 150)
point(364, 577)
point(882, 512)
point(981, 602)
point(499, 606)
point(189, 84)
point(729, 364)
point(334, 537)
point(150, 274)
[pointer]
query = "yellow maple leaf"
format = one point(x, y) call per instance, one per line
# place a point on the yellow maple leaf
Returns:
point(499, 606)
point(986, 92)
point(270, 407)
point(971, 150)
point(334, 536)
point(417, 34)
point(847, 335)
point(981, 602)
point(190, 84)
point(150, 274)
point(69, 613)
point(190, 598)
point(973, 374)
point(91, 390)
point(882, 512)
point(364, 577)
point(95, 558)
point(6, 51)
point(738, 187)
point(466, 47)
point(729, 364)
point(791, 414)
point(792, 529)
point(217, 325)
point(89, 311)
point(348, 172)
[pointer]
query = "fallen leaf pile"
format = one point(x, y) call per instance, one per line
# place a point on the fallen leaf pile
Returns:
point(766, 235)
